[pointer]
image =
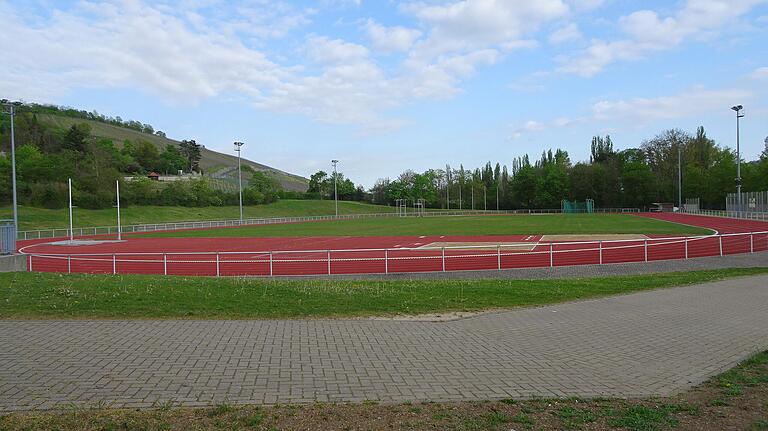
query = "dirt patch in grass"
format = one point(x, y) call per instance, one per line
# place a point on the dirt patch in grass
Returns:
point(734, 400)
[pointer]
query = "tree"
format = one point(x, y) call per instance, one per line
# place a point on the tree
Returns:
point(76, 137)
point(317, 183)
point(171, 160)
point(192, 152)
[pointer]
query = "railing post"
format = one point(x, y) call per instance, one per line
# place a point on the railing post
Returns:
point(498, 257)
point(329, 262)
point(69, 264)
point(442, 252)
point(165, 264)
point(686, 247)
point(114, 264)
point(386, 261)
point(645, 249)
point(218, 271)
point(551, 256)
point(270, 265)
point(721, 245)
point(601, 252)
point(29, 268)
point(751, 242)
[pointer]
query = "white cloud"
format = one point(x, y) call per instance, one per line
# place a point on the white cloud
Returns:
point(335, 51)
point(469, 24)
point(389, 39)
point(565, 34)
point(690, 103)
point(647, 32)
point(759, 73)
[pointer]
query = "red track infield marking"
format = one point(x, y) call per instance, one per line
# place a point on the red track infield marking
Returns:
point(363, 255)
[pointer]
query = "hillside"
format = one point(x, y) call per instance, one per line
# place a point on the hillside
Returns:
point(210, 162)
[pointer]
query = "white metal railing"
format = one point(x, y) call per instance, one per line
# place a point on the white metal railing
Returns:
point(381, 260)
point(744, 215)
point(209, 224)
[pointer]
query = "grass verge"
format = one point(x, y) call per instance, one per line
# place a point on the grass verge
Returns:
point(711, 406)
point(33, 295)
point(44, 218)
point(468, 225)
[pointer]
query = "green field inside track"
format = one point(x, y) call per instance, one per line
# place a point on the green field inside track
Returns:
point(456, 225)
point(33, 295)
point(31, 218)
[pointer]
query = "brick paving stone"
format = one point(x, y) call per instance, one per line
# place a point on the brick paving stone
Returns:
point(648, 343)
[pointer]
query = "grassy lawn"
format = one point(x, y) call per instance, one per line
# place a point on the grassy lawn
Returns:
point(41, 218)
point(465, 225)
point(40, 295)
point(714, 405)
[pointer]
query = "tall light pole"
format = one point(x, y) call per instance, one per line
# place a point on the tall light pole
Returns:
point(679, 177)
point(8, 109)
point(739, 114)
point(238, 147)
point(335, 192)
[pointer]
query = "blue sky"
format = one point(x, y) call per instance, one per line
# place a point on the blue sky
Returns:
point(392, 85)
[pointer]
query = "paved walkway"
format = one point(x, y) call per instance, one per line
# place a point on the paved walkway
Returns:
point(634, 345)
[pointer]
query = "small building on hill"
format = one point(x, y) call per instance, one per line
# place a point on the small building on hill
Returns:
point(154, 176)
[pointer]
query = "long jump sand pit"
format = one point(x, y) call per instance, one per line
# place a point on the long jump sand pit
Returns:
point(468, 245)
point(593, 237)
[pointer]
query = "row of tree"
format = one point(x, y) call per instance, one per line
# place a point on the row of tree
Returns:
point(634, 177)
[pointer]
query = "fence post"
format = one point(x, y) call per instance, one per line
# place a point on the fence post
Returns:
point(386, 261)
point(601, 252)
point(751, 242)
point(30, 263)
point(69, 264)
point(218, 271)
point(442, 251)
point(165, 264)
point(114, 264)
point(270, 265)
point(645, 249)
point(551, 256)
point(686, 247)
point(498, 257)
point(721, 245)
point(329, 262)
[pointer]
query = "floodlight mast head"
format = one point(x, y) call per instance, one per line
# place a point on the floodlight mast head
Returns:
point(238, 145)
point(738, 109)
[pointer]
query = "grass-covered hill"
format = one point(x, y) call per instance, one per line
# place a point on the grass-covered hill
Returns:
point(211, 161)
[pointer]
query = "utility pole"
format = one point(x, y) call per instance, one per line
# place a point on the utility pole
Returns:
point(238, 147)
point(8, 109)
point(335, 192)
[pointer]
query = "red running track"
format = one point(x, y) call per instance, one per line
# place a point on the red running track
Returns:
point(369, 255)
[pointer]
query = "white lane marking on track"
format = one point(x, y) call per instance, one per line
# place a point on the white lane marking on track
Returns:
point(528, 238)
point(396, 245)
point(423, 236)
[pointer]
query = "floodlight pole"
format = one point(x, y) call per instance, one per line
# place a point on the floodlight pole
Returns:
point(71, 230)
point(739, 114)
point(679, 177)
point(335, 190)
point(448, 190)
point(119, 228)
point(238, 147)
point(11, 112)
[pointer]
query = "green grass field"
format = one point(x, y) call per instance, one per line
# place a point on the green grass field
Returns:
point(42, 218)
point(50, 296)
point(465, 225)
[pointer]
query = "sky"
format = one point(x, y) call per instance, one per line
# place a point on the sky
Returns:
point(385, 86)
